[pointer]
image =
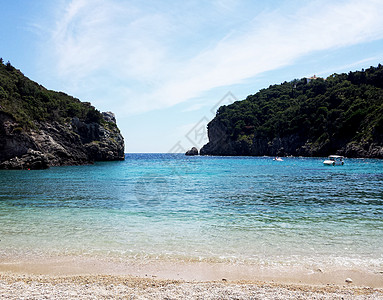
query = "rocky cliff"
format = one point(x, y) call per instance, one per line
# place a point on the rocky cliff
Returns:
point(61, 130)
point(342, 114)
point(222, 144)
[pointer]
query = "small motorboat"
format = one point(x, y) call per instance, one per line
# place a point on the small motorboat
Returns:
point(277, 159)
point(334, 160)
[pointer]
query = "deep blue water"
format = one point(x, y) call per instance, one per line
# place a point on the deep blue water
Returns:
point(235, 209)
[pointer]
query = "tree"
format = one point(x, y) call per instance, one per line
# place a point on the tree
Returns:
point(318, 118)
point(8, 66)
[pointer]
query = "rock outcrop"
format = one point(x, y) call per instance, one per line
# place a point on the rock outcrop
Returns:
point(193, 151)
point(54, 144)
point(40, 128)
point(221, 143)
point(341, 114)
point(32, 160)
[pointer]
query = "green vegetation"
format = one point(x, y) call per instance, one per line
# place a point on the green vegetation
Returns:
point(28, 101)
point(325, 113)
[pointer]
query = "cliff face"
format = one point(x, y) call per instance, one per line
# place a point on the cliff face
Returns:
point(222, 144)
point(41, 128)
point(340, 115)
point(55, 144)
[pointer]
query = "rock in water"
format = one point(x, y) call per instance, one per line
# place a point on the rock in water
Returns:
point(192, 151)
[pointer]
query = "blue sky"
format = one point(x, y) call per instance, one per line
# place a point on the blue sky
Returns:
point(163, 66)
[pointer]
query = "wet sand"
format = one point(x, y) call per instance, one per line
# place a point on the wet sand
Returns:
point(94, 278)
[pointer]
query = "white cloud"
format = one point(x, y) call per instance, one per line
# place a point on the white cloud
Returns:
point(195, 106)
point(357, 65)
point(137, 54)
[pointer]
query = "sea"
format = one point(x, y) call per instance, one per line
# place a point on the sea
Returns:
point(172, 207)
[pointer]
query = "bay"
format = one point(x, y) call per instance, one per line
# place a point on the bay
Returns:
point(238, 210)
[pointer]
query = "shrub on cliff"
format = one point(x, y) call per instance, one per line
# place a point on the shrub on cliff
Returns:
point(325, 113)
point(27, 101)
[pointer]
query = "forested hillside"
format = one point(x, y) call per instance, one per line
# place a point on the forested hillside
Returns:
point(41, 128)
point(27, 101)
point(340, 114)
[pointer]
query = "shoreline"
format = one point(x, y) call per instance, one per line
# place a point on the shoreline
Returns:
point(190, 271)
point(16, 286)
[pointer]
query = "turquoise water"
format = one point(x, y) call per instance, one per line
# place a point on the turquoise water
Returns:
point(218, 209)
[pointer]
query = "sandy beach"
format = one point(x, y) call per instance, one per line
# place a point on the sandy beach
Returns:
point(95, 278)
point(124, 287)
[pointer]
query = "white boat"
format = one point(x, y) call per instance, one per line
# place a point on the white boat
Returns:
point(334, 160)
point(277, 159)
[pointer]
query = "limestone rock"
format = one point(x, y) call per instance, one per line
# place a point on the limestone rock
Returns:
point(193, 151)
point(221, 142)
point(32, 160)
point(56, 144)
point(109, 117)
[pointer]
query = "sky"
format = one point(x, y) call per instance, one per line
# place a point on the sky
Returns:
point(164, 67)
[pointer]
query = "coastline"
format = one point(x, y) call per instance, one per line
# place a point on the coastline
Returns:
point(14, 286)
point(237, 235)
point(93, 278)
